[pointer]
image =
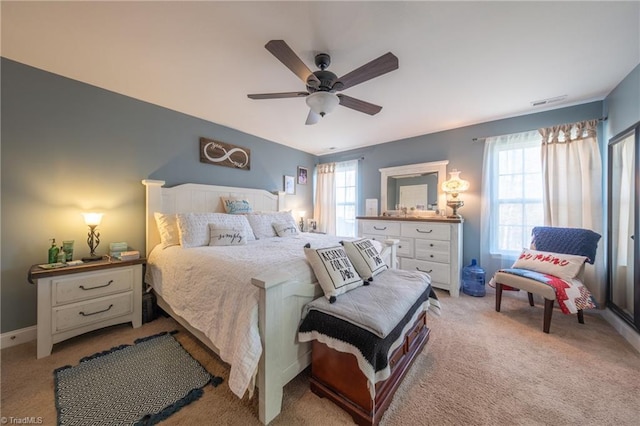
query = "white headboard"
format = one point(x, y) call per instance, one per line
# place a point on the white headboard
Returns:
point(193, 197)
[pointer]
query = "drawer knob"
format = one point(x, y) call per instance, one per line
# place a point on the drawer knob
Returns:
point(98, 286)
point(97, 312)
point(424, 232)
point(431, 245)
point(428, 272)
point(379, 229)
point(430, 255)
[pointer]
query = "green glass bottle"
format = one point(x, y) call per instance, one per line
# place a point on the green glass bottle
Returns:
point(53, 252)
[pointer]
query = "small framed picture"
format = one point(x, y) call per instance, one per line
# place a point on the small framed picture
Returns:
point(303, 175)
point(289, 185)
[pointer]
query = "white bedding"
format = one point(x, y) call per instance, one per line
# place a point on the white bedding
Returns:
point(211, 288)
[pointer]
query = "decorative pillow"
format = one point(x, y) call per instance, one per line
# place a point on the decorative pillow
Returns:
point(194, 227)
point(334, 271)
point(236, 205)
point(365, 258)
point(226, 236)
point(168, 229)
point(262, 223)
point(285, 229)
point(564, 266)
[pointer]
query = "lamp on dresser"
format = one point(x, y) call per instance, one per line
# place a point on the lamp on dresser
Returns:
point(93, 238)
point(453, 187)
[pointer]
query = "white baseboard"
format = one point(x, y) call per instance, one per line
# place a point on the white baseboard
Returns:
point(623, 328)
point(17, 337)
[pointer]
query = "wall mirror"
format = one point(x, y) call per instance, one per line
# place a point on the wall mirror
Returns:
point(414, 185)
point(624, 241)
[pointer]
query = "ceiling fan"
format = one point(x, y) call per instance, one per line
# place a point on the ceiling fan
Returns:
point(322, 85)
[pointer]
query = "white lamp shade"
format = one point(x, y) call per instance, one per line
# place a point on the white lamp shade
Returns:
point(455, 185)
point(92, 219)
point(322, 102)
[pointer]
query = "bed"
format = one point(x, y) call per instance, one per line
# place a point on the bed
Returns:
point(257, 314)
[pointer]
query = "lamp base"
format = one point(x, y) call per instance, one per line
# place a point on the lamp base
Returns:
point(455, 205)
point(92, 258)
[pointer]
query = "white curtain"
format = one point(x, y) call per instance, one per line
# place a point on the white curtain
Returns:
point(572, 189)
point(324, 210)
point(491, 259)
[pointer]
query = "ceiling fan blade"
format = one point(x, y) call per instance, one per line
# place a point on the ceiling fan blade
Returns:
point(359, 105)
point(312, 118)
point(283, 52)
point(384, 64)
point(279, 95)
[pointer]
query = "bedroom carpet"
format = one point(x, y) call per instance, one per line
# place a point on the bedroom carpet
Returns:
point(480, 367)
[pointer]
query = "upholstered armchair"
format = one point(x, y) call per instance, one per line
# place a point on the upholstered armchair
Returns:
point(553, 268)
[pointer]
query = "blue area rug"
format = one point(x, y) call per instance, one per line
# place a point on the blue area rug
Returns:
point(139, 384)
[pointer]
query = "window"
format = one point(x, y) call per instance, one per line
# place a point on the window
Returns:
point(346, 179)
point(513, 175)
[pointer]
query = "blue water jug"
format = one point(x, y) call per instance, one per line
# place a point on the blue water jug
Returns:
point(473, 280)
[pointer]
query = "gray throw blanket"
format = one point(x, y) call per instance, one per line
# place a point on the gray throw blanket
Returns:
point(380, 306)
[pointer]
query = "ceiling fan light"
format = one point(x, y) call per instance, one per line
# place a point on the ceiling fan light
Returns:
point(322, 102)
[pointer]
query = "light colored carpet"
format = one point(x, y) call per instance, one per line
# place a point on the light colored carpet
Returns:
point(480, 367)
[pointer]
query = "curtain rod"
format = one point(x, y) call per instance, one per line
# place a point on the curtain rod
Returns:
point(601, 119)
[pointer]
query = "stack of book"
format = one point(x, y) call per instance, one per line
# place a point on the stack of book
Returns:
point(129, 255)
point(116, 249)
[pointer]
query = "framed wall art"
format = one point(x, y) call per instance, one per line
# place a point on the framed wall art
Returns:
point(224, 154)
point(289, 185)
point(303, 175)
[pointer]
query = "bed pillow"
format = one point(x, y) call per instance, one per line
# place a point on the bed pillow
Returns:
point(333, 269)
point(236, 205)
point(168, 229)
point(285, 229)
point(564, 266)
point(262, 223)
point(194, 227)
point(365, 257)
point(222, 236)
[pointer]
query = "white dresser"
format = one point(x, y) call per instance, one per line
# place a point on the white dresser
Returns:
point(430, 245)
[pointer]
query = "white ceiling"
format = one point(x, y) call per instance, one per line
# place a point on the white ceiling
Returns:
point(461, 63)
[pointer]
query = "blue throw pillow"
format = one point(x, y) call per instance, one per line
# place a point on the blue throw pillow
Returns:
point(582, 242)
point(232, 206)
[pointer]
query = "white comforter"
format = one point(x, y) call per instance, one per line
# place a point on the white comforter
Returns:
point(211, 288)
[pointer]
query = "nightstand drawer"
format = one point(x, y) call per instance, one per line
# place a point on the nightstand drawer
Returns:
point(80, 314)
point(91, 285)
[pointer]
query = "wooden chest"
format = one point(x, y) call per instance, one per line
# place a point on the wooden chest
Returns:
point(335, 375)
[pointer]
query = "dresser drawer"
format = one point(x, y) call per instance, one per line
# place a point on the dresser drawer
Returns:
point(427, 230)
point(91, 285)
point(380, 227)
point(439, 272)
point(433, 250)
point(405, 247)
point(83, 313)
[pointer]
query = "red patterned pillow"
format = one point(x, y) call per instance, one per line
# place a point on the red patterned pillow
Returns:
point(564, 266)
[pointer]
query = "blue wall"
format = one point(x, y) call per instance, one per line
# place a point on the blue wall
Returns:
point(69, 147)
point(622, 105)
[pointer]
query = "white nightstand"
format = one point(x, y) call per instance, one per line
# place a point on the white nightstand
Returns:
point(76, 299)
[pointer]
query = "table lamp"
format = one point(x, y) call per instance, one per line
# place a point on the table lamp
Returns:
point(93, 238)
point(452, 188)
